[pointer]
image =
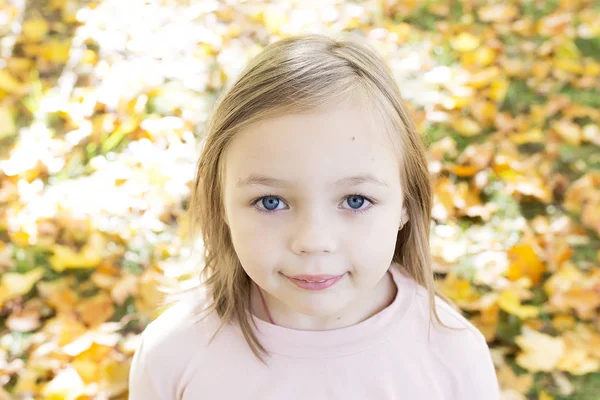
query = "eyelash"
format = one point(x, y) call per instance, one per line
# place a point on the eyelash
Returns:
point(254, 202)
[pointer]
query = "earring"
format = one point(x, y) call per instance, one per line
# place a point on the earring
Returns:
point(401, 224)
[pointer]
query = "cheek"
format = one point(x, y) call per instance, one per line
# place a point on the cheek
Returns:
point(257, 244)
point(372, 244)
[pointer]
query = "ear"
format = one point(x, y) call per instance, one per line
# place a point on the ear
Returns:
point(404, 219)
point(405, 216)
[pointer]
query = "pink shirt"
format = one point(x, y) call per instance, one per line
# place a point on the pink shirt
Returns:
point(387, 356)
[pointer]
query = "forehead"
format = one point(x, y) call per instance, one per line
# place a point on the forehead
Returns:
point(330, 143)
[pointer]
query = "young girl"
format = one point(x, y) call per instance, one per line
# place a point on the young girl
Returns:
point(314, 201)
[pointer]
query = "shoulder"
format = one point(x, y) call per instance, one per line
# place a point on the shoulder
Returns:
point(458, 348)
point(169, 349)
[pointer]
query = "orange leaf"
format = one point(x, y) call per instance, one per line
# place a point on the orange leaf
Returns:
point(96, 310)
point(524, 262)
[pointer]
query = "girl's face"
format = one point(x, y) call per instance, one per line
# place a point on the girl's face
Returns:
point(315, 194)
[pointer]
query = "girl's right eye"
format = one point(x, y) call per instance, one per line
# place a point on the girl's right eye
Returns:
point(270, 203)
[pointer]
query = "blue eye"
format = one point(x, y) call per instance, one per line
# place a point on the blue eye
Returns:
point(270, 203)
point(357, 201)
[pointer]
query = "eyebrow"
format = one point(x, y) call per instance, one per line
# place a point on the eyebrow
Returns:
point(262, 180)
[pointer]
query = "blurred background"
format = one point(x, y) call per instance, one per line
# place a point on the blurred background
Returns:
point(103, 104)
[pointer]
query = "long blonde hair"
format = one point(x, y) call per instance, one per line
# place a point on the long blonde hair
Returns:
point(297, 74)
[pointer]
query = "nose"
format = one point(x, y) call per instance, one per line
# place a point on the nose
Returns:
point(313, 234)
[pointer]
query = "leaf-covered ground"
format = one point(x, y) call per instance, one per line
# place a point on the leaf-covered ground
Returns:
point(101, 107)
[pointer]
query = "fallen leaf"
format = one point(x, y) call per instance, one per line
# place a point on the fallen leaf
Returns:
point(569, 131)
point(466, 127)
point(498, 12)
point(67, 385)
point(13, 284)
point(90, 255)
point(524, 262)
point(539, 352)
point(465, 41)
point(96, 310)
point(510, 302)
point(35, 29)
point(509, 380)
point(7, 122)
point(27, 319)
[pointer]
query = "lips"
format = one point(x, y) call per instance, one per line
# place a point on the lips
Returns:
point(315, 282)
point(313, 278)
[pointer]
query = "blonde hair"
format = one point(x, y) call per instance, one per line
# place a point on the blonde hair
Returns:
point(297, 74)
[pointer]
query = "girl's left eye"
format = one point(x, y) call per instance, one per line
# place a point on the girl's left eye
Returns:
point(271, 203)
point(357, 201)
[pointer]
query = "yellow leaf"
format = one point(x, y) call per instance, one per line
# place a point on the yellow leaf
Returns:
point(115, 376)
point(150, 296)
point(541, 69)
point(484, 112)
point(484, 77)
point(58, 294)
point(578, 358)
point(66, 385)
point(554, 24)
point(89, 57)
point(459, 290)
point(509, 380)
point(35, 29)
point(466, 127)
point(460, 102)
point(591, 133)
point(523, 27)
point(563, 323)
point(590, 215)
point(13, 284)
point(90, 255)
point(532, 136)
point(524, 262)
point(567, 49)
point(591, 69)
point(8, 83)
point(70, 328)
point(569, 131)
point(583, 190)
point(498, 12)
point(545, 396)
point(539, 352)
point(7, 122)
point(563, 279)
point(56, 51)
point(509, 301)
point(28, 381)
point(516, 67)
point(584, 301)
point(88, 370)
point(487, 321)
point(498, 89)
point(566, 64)
point(465, 41)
